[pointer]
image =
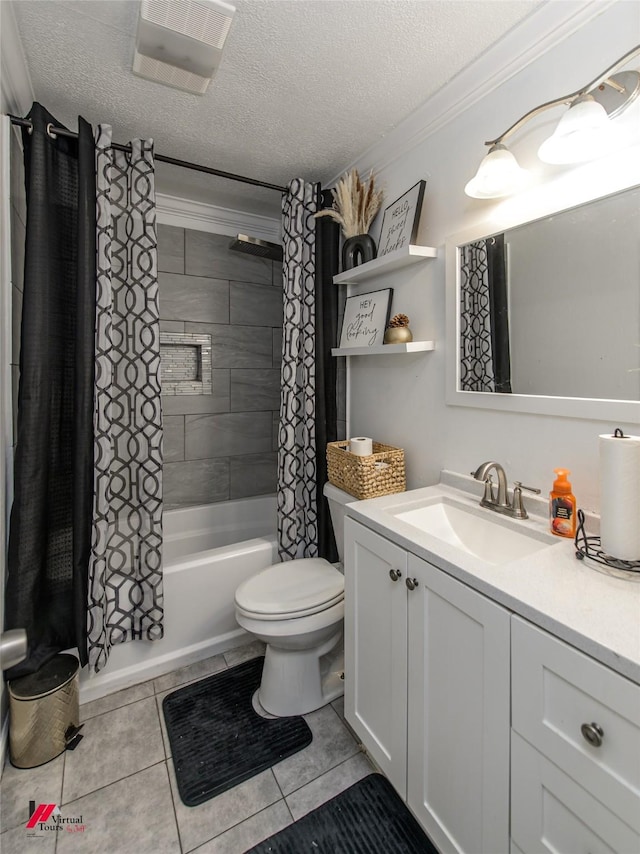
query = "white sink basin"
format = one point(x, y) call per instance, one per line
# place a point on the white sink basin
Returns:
point(492, 538)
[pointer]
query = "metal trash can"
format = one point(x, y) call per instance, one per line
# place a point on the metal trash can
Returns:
point(44, 712)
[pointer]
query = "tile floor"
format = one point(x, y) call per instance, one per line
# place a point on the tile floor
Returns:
point(120, 779)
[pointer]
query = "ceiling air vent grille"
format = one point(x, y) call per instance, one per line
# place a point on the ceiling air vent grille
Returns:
point(180, 44)
point(205, 20)
point(169, 75)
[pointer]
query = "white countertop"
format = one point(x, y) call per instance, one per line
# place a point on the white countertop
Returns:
point(585, 606)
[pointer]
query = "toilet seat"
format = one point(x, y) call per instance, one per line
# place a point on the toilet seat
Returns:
point(296, 588)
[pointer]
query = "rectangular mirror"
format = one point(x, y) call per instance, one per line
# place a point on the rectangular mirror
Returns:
point(544, 316)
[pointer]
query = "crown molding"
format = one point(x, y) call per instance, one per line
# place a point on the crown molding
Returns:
point(185, 213)
point(541, 31)
point(15, 80)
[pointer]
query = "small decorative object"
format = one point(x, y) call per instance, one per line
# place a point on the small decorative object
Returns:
point(355, 204)
point(365, 319)
point(398, 331)
point(401, 220)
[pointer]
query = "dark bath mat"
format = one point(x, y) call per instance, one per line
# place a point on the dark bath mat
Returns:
point(366, 818)
point(218, 741)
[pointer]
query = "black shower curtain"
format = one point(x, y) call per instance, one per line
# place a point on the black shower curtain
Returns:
point(50, 529)
point(327, 265)
point(499, 300)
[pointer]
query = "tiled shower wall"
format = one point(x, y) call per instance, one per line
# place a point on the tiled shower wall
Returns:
point(221, 445)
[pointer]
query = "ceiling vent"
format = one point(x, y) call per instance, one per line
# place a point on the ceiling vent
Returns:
point(180, 43)
point(169, 75)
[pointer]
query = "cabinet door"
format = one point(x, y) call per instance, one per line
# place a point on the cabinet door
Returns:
point(551, 813)
point(458, 734)
point(375, 647)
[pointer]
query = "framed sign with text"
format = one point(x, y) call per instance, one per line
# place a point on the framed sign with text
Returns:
point(365, 319)
point(401, 219)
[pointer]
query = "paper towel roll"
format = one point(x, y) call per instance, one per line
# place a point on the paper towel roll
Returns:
point(620, 496)
point(361, 446)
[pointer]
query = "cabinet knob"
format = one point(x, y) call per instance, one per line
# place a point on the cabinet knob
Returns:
point(411, 583)
point(395, 574)
point(592, 733)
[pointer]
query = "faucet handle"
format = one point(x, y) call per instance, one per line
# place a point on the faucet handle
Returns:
point(489, 496)
point(518, 507)
point(519, 485)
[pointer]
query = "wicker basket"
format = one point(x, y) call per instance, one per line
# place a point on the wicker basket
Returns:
point(364, 477)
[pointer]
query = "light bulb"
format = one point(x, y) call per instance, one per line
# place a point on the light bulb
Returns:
point(498, 175)
point(583, 133)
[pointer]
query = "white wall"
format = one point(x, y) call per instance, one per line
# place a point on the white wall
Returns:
point(401, 399)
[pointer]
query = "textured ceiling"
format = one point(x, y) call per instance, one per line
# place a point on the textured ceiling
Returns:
point(304, 87)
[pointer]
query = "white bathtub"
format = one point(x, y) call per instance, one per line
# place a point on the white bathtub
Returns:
point(208, 551)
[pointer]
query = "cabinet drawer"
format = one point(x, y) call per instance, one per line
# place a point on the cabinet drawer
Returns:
point(555, 690)
point(551, 812)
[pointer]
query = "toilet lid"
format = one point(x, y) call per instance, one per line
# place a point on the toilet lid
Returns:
point(295, 587)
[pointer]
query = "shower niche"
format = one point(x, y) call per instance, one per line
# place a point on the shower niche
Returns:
point(185, 361)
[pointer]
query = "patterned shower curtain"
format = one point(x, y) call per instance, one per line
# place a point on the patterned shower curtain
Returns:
point(297, 471)
point(125, 595)
point(485, 362)
point(476, 354)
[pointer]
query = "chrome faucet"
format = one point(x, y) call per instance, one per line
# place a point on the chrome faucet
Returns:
point(501, 503)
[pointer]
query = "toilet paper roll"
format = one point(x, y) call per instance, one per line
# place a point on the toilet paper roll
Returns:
point(361, 446)
point(620, 496)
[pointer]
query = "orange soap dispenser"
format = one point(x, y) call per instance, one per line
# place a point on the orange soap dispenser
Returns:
point(562, 506)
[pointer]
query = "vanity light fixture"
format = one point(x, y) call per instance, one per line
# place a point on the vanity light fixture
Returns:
point(584, 132)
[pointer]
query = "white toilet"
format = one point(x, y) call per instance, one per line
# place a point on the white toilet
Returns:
point(297, 609)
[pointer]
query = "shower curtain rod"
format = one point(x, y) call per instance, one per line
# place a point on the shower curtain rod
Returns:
point(185, 164)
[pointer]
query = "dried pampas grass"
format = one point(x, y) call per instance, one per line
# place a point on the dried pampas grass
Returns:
point(355, 203)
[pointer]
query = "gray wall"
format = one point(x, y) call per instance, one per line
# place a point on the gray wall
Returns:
point(223, 445)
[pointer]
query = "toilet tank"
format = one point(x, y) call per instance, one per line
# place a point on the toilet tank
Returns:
point(338, 499)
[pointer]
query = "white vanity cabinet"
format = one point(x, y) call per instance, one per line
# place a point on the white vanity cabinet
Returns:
point(575, 753)
point(427, 690)
point(502, 699)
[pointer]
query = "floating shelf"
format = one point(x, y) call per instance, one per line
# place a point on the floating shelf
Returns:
point(393, 261)
point(387, 349)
